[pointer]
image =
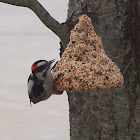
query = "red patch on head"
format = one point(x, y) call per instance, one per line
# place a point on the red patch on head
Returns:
point(33, 67)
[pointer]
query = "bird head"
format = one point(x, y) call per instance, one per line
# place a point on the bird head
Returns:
point(40, 65)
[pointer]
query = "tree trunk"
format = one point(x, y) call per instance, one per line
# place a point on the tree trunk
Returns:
point(112, 114)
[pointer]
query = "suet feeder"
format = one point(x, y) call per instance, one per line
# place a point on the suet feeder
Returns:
point(84, 64)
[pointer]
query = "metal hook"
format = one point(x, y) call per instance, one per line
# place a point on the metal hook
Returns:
point(84, 8)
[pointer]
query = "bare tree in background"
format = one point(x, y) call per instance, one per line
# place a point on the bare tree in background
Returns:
point(112, 114)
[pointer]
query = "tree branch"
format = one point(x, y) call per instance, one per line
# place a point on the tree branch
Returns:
point(41, 12)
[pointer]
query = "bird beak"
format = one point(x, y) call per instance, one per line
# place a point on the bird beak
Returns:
point(51, 61)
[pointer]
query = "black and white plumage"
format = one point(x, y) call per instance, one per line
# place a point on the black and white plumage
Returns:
point(41, 84)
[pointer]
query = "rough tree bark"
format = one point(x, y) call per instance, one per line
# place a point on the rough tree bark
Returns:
point(112, 114)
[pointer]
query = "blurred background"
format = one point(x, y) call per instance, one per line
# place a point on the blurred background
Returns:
point(23, 40)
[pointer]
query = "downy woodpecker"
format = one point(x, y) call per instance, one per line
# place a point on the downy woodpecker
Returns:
point(41, 84)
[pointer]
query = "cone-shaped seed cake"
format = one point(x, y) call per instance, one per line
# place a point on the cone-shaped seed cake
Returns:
point(84, 64)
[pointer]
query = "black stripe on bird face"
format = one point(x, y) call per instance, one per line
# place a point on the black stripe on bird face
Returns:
point(41, 68)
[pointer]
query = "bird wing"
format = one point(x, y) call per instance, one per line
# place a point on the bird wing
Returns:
point(30, 83)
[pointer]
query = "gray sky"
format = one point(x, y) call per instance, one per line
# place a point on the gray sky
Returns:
point(23, 40)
